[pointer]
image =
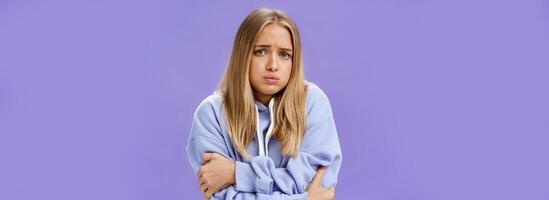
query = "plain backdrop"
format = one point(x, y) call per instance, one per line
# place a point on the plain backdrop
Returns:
point(433, 99)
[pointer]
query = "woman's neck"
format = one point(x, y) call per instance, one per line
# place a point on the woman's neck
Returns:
point(264, 99)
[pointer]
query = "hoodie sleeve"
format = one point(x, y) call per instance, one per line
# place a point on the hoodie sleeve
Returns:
point(319, 146)
point(206, 137)
point(199, 144)
point(231, 193)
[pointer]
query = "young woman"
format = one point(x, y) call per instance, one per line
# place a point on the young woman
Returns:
point(266, 133)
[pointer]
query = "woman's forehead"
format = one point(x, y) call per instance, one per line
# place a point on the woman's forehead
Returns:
point(275, 35)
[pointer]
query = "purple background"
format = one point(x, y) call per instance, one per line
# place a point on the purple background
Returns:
point(433, 100)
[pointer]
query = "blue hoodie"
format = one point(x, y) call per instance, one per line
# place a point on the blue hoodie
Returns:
point(268, 174)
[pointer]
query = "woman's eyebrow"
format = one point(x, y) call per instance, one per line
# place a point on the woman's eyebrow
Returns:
point(286, 49)
point(269, 46)
point(263, 46)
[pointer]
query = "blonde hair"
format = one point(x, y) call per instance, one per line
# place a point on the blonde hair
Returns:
point(237, 93)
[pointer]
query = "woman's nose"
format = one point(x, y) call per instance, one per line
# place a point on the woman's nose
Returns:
point(273, 64)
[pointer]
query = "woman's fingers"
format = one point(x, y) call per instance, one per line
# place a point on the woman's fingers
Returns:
point(200, 173)
point(332, 193)
point(211, 162)
point(203, 188)
point(208, 194)
point(317, 179)
point(202, 181)
point(319, 174)
point(206, 158)
point(316, 190)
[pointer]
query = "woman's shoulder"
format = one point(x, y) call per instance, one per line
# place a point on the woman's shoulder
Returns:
point(209, 108)
point(206, 119)
point(213, 100)
point(317, 103)
point(314, 93)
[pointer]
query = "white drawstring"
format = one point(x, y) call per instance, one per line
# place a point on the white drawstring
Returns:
point(263, 143)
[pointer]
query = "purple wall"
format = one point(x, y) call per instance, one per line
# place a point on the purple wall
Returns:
point(434, 100)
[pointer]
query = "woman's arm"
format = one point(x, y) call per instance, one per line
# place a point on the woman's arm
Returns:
point(319, 148)
point(217, 172)
point(314, 192)
point(199, 145)
point(231, 193)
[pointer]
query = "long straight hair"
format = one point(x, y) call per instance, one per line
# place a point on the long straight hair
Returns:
point(237, 93)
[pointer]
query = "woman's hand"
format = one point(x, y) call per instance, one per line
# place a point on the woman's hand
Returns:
point(316, 191)
point(217, 172)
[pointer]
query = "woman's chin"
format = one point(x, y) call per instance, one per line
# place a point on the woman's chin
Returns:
point(270, 90)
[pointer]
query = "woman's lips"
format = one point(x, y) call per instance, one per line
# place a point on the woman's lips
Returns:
point(271, 78)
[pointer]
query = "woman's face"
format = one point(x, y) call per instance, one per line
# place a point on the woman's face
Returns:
point(271, 62)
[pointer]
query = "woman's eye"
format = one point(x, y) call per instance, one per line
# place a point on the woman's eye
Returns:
point(285, 55)
point(260, 52)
